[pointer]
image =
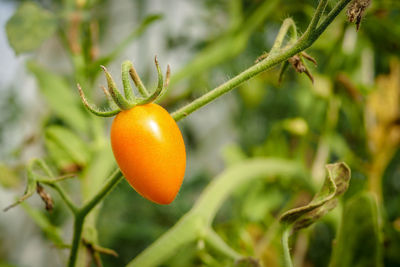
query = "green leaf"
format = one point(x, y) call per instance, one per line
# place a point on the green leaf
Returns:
point(357, 243)
point(29, 27)
point(52, 232)
point(69, 143)
point(336, 183)
point(61, 97)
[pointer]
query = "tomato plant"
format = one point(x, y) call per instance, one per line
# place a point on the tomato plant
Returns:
point(259, 171)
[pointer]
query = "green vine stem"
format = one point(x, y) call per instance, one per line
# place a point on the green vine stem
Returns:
point(106, 189)
point(196, 224)
point(204, 211)
point(317, 16)
point(80, 215)
point(287, 260)
point(287, 24)
point(215, 241)
point(64, 197)
point(305, 41)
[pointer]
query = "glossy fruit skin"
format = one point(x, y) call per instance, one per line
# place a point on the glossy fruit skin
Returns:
point(150, 151)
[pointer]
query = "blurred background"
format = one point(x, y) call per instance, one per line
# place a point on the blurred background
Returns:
point(349, 113)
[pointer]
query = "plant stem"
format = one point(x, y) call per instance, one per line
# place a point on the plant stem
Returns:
point(215, 241)
point(329, 18)
point(305, 41)
point(183, 232)
point(64, 197)
point(317, 15)
point(78, 225)
point(195, 224)
point(112, 182)
point(287, 260)
point(237, 80)
point(80, 215)
point(52, 182)
point(219, 189)
point(286, 25)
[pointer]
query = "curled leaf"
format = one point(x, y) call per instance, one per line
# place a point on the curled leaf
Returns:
point(336, 183)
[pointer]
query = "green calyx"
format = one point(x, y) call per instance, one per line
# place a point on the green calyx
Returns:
point(118, 101)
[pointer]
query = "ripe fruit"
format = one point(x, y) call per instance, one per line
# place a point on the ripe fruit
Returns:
point(150, 151)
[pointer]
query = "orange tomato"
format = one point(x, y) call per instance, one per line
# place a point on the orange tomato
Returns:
point(150, 151)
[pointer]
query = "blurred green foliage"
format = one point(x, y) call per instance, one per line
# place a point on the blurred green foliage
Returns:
point(351, 113)
point(358, 237)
